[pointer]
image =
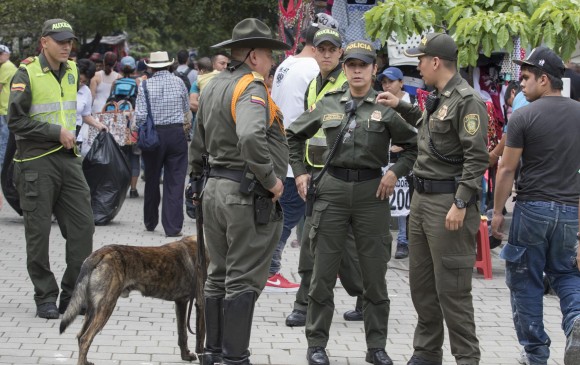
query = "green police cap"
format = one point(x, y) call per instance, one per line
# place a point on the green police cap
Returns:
point(360, 50)
point(327, 35)
point(58, 29)
point(437, 45)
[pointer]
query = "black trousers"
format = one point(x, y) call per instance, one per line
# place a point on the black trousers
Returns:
point(171, 158)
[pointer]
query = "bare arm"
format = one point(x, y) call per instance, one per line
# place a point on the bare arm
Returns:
point(503, 186)
point(497, 151)
point(94, 84)
point(194, 101)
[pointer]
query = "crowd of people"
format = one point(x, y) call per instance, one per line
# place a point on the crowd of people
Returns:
point(305, 145)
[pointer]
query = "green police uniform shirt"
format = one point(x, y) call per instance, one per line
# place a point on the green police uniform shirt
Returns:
point(367, 147)
point(33, 139)
point(459, 129)
point(250, 139)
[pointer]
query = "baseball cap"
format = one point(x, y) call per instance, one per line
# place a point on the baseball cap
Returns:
point(4, 49)
point(391, 73)
point(128, 61)
point(58, 29)
point(323, 20)
point(437, 45)
point(360, 50)
point(327, 35)
point(546, 60)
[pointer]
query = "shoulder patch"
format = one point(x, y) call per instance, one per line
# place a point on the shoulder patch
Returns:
point(258, 100)
point(471, 123)
point(257, 76)
point(18, 87)
point(28, 60)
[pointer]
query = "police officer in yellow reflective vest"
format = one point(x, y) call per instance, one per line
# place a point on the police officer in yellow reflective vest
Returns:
point(47, 169)
point(354, 193)
point(328, 50)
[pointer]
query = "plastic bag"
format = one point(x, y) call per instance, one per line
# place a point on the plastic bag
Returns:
point(7, 178)
point(108, 175)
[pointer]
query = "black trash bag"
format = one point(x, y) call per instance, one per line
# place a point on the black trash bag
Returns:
point(7, 176)
point(108, 174)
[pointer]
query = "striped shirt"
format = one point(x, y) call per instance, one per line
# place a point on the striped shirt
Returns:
point(168, 97)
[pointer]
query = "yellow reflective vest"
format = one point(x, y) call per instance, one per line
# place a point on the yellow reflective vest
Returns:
point(316, 146)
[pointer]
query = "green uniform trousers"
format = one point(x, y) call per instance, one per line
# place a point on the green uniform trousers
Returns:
point(440, 271)
point(341, 204)
point(54, 184)
point(239, 249)
point(348, 271)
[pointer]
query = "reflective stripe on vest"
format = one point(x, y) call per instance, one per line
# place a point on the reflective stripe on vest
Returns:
point(316, 146)
point(52, 102)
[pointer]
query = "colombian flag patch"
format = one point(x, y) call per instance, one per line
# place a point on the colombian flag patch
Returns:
point(18, 87)
point(258, 100)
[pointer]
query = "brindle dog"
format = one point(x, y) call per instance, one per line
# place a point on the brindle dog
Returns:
point(168, 272)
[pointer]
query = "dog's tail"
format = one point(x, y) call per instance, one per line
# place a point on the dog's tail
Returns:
point(79, 295)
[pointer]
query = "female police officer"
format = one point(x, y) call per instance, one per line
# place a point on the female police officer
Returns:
point(353, 192)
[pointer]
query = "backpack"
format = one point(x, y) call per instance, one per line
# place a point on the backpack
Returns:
point(125, 90)
point(184, 78)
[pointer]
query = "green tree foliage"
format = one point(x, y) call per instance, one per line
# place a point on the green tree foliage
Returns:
point(168, 25)
point(481, 25)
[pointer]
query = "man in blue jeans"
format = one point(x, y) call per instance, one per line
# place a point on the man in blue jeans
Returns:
point(543, 234)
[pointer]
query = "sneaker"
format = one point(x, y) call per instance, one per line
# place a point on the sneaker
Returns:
point(523, 358)
point(402, 251)
point(572, 352)
point(133, 193)
point(47, 311)
point(279, 284)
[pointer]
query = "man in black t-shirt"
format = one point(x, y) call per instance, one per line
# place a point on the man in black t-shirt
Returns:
point(545, 135)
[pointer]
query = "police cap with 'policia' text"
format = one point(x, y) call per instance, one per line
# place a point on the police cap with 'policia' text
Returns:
point(546, 60)
point(360, 50)
point(58, 29)
point(327, 35)
point(436, 45)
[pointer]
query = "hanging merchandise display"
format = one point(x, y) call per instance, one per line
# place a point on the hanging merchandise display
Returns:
point(290, 23)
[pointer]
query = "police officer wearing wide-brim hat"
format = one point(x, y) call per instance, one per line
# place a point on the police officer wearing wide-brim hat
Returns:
point(47, 168)
point(354, 193)
point(444, 216)
point(241, 129)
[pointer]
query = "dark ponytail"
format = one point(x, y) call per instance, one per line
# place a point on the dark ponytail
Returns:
point(109, 61)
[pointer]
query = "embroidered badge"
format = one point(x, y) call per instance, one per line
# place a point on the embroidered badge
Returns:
point(18, 87)
point(442, 112)
point(376, 115)
point(46, 69)
point(471, 123)
point(71, 79)
point(344, 98)
point(258, 100)
point(332, 116)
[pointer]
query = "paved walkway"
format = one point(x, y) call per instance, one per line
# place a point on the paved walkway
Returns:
point(142, 331)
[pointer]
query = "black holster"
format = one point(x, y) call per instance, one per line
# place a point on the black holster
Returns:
point(310, 199)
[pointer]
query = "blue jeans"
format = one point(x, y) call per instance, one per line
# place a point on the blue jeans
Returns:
point(3, 138)
point(293, 207)
point(542, 239)
point(402, 236)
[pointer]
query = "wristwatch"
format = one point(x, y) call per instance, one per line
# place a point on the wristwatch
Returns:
point(460, 203)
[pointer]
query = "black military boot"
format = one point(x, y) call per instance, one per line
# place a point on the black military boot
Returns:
point(214, 311)
point(238, 316)
point(378, 357)
point(356, 314)
point(296, 319)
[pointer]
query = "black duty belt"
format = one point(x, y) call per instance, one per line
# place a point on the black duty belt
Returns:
point(425, 186)
point(236, 175)
point(355, 175)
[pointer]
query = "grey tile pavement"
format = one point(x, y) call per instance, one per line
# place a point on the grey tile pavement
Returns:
point(142, 331)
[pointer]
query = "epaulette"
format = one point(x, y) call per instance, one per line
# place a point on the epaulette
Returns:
point(257, 76)
point(334, 92)
point(465, 91)
point(27, 61)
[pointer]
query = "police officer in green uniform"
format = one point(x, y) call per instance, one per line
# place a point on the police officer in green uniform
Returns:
point(354, 193)
point(328, 45)
point(444, 215)
point(47, 169)
point(241, 129)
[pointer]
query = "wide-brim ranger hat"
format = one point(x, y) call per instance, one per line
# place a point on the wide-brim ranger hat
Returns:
point(252, 33)
point(159, 59)
point(360, 50)
point(58, 29)
point(546, 60)
point(436, 45)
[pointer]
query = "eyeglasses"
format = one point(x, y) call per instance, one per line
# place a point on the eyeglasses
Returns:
point(350, 131)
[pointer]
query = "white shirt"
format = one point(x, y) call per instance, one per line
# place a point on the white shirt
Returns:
point(289, 87)
point(84, 102)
